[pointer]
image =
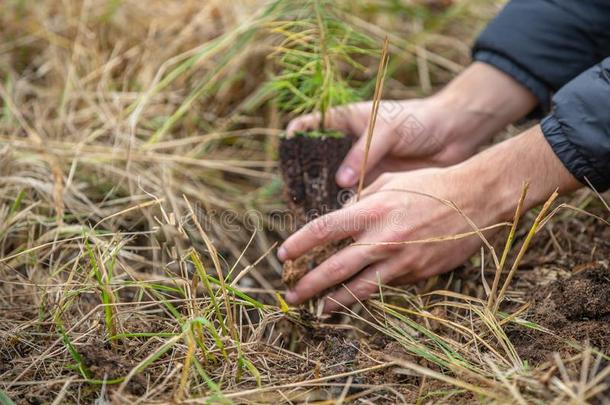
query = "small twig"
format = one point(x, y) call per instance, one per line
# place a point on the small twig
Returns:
point(383, 68)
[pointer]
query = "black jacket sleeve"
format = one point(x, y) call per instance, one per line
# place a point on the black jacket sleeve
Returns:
point(578, 129)
point(544, 44)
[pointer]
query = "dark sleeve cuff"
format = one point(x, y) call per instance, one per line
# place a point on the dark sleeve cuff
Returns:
point(544, 44)
point(526, 79)
point(578, 129)
point(577, 163)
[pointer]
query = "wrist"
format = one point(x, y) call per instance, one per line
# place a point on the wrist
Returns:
point(486, 90)
point(496, 177)
point(484, 101)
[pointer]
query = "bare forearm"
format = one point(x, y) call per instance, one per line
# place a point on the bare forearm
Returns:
point(497, 175)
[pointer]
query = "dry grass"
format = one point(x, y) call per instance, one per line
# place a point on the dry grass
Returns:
point(136, 153)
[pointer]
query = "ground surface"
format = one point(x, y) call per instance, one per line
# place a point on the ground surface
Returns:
point(140, 201)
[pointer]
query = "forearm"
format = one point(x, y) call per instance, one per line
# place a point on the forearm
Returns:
point(497, 175)
point(485, 100)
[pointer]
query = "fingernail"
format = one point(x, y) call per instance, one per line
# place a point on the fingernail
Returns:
point(346, 176)
point(282, 254)
point(291, 297)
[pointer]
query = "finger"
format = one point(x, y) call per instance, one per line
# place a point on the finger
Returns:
point(346, 222)
point(378, 177)
point(303, 123)
point(335, 270)
point(347, 119)
point(363, 286)
point(414, 277)
point(408, 279)
point(349, 171)
point(390, 164)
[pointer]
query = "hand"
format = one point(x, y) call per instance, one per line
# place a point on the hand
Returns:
point(486, 188)
point(432, 132)
point(386, 213)
point(408, 135)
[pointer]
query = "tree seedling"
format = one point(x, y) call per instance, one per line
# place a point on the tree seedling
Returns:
point(314, 49)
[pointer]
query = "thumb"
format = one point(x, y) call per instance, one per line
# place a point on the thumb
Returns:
point(350, 170)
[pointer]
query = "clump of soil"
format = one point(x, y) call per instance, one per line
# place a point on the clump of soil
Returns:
point(575, 309)
point(295, 270)
point(309, 163)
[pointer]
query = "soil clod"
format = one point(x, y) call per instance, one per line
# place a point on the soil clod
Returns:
point(309, 164)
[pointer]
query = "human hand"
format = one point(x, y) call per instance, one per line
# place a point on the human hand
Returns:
point(398, 207)
point(436, 131)
point(387, 215)
point(408, 135)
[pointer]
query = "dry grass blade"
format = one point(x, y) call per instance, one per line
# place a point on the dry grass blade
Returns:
point(214, 254)
point(449, 380)
point(539, 219)
point(381, 73)
point(507, 247)
point(436, 239)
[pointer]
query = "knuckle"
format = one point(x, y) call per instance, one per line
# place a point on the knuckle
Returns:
point(370, 219)
point(335, 269)
point(379, 251)
point(402, 268)
point(397, 238)
point(380, 208)
point(320, 229)
point(391, 245)
point(377, 211)
point(363, 290)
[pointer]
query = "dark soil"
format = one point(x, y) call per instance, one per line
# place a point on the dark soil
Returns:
point(107, 364)
point(576, 309)
point(308, 166)
point(332, 350)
